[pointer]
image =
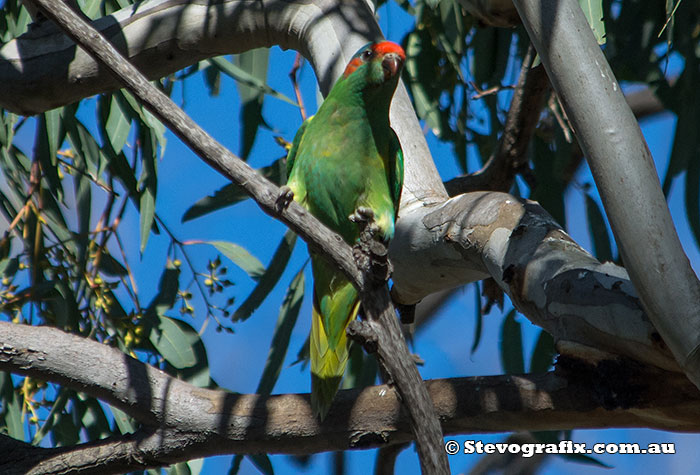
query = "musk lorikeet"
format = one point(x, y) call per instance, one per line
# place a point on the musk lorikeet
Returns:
point(344, 159)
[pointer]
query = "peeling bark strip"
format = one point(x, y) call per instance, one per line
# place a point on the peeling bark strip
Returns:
point(182, 422)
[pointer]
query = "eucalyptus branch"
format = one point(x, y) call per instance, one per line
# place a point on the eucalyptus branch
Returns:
point(181, 421)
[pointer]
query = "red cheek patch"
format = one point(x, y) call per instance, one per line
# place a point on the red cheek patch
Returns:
point(352, 66)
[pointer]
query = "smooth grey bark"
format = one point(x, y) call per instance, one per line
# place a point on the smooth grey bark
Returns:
point(624, 173)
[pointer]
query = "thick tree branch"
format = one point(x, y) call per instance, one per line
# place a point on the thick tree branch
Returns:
point(181, 421)
point(549, 278)
point(623, 170)
point(392, 351)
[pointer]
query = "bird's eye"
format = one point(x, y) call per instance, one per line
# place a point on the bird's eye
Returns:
point(367, 55)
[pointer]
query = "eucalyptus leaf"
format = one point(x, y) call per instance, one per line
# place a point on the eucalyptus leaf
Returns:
point(283, 332)
point(241, 257)
point(269, 279)
point(512, 345)
point(174, 340)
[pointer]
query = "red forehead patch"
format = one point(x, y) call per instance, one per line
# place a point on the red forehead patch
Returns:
point(386, 47)
point(379, 49)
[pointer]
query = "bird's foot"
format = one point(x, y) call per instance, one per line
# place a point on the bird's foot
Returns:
point(364, 218)
point(284, 198)
point(370, 254)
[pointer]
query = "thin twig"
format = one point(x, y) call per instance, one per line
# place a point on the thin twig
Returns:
point(298, 61)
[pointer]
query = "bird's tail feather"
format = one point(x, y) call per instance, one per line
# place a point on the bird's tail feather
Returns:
point(335, 305)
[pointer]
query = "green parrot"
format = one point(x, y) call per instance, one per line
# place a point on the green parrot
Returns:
point(345, 161)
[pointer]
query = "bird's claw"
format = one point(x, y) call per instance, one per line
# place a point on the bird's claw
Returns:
point(370, 254)
point(364, 218)
point(285, 197)
point(362, 215)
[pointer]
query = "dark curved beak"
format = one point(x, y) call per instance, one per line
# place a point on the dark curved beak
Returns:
point(392, 64)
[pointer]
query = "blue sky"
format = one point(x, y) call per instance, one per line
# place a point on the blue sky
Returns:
point(237, 360)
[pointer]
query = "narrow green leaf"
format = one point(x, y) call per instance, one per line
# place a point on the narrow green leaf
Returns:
point(212, 78)
point(543, 355)
point(599, 232)
point(56, 409)
point(362, 369)
point(452, 22)
point(181, 468)
point(123, 172)
point(147, 205)
point(110, 266)
point(118, 125)
point(82, 189)
point(155, 128)
point(262, 463)
point(479, 319)
point(269, 279)
point(692, 194)
point(195, 466)
point(419, 69)
point(94, 419)
point(235, 464)
point(593, 9)
point(84, 144)
point(174, 340)
point(9, 267)
point(549, 165)
point(241, 257)
point(46, 148)
point(233, 193)
point(122, 421)
point(53, 130)
point(167, 291)
point(254, 62)
point(230, 69)
point(512, 345)
point(283, 331)
point(91, 8)
point(56, 222)
point(198, 374)
point(63, 305)
point(11, 408)
point(65, 431)
point(303, 354)
point(149, 182)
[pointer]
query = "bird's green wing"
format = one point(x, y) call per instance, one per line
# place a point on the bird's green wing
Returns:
point(396, 172)
point(292, 155)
